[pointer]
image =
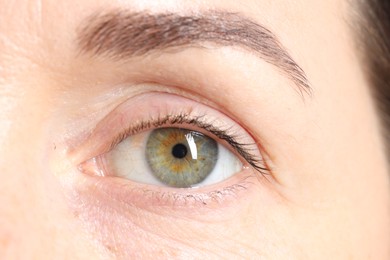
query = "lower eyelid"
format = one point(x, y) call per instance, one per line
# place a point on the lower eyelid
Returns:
point(152, 198)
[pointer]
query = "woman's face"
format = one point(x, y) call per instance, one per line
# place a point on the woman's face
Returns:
point(280, 157)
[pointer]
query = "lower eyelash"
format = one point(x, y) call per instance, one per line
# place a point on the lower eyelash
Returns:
point(204, 199)
point(183, 199)
point(242, 149)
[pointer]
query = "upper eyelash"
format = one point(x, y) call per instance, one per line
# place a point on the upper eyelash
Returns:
point(240, 148)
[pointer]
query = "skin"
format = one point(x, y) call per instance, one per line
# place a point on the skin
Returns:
point(327, 194)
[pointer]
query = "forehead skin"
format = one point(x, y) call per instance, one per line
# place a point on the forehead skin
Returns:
point(330, 197)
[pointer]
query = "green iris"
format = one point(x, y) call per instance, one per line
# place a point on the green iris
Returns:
point(179, 157)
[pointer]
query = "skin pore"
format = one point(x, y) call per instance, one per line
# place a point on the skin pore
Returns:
point(325, 194)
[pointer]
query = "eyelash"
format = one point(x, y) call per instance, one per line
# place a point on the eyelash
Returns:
point(176, 120)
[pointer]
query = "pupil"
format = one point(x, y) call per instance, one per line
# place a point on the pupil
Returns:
point(179, 151)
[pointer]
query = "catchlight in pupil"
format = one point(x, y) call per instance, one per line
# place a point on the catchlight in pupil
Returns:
point(180, 157)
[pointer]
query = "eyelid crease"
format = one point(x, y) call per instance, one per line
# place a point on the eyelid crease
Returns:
point(175, 120)
point(121, 34)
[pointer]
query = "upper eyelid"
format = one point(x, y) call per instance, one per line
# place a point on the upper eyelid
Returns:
point(116, 124)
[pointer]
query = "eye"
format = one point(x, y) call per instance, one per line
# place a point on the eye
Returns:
point(172, 142)
point(174, 157)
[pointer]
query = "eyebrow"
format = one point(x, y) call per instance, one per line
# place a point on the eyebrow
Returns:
point(123, 34)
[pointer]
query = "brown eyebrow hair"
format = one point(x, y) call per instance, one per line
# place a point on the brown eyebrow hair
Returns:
point(123, 34)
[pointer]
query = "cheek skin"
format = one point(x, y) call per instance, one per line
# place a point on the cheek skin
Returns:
point(132, 229)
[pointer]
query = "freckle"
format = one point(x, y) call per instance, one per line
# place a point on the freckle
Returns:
point(110, 248)
point(76, 214)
